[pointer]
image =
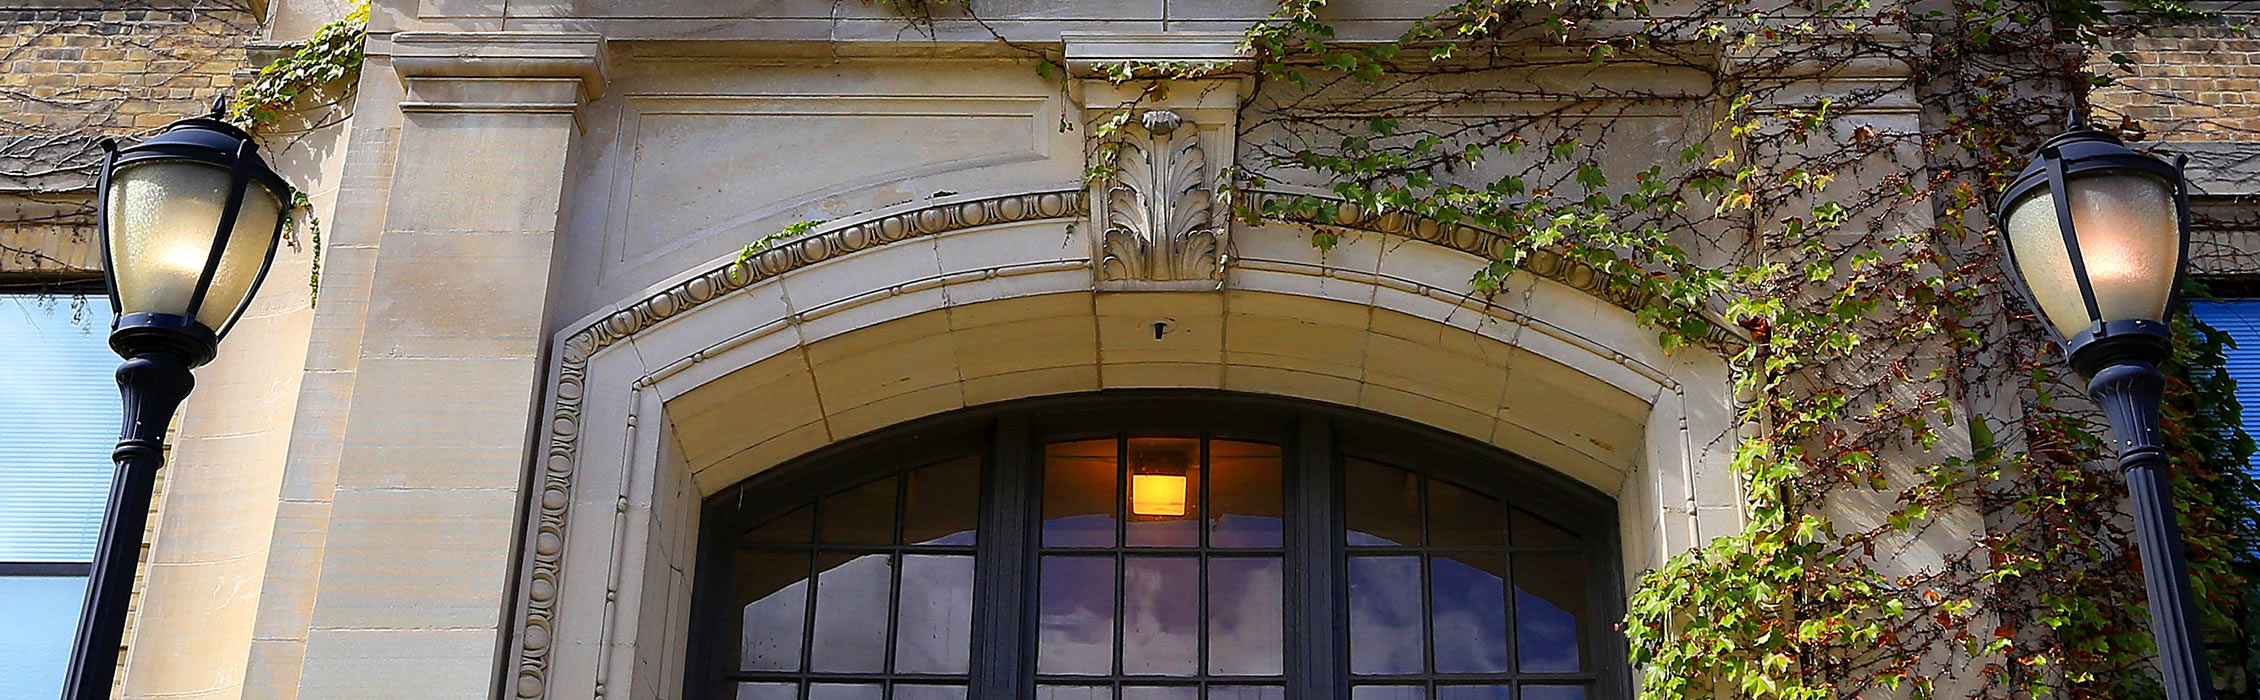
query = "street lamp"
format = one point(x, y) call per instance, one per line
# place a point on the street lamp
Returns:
point(189, 221)
point(2099, 235)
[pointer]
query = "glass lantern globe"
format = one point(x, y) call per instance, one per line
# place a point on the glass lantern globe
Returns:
point(189, 221)
point(2097, 234)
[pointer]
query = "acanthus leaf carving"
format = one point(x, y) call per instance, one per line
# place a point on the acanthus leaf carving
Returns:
point(1160, 223)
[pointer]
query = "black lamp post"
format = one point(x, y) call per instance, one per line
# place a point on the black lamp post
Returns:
point(189, 220)
point(2099, 236)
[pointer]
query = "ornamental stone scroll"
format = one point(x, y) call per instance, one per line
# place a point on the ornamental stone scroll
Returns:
point(1160, 223)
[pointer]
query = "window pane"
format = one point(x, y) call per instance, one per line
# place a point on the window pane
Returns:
point(1076, 616)
point(1549, 612)
point(1245, 630)
point(1382, 505)
point(1079, 479)
point(1246, 495)
point(772, 597)
point(1385, 617)
point(1532, 531)
point(844, 691)
point(1553, 692)
point(1161, 615)
point(851, 613)
point(1458, 517)
point(41, 617)
point(1475, 692)
point(861, 515)
point(1389, 692)
point(1173, 692)
point(943, 503)
point(1074, 692)
point(1247, 692)
point(1165, 479)
point(768, 691)
point(58, 421)
point(793, 527)
point(1469, 593)
point(929, 692)
point(934, 625)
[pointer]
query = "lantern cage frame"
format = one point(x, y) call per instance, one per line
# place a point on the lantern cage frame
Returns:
point(209, 140)
point(2085, 151)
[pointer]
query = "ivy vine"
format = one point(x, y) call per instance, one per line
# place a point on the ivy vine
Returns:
point(331, 56)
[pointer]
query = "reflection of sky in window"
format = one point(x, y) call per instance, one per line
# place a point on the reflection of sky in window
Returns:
point(1389, 692)
point(1075, 618)
point(1547, 635)
point(934, 628)
point(1385, 619)
point(1235, 530)
point(1470, 606)
point(851, 614)
point(1475, 692)
point(1553, 692)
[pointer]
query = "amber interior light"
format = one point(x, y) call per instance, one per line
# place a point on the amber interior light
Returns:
point(1157, 494)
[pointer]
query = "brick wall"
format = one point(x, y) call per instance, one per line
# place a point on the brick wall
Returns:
point(73, 71)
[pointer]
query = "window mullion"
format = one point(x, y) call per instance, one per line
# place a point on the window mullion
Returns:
point(1316, 644)
point(1004, 575)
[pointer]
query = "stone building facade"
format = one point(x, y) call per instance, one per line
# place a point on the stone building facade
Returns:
point(545, 368)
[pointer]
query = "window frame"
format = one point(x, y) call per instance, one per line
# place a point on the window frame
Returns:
point(1009, 439)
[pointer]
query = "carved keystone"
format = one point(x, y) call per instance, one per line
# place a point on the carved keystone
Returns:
point(1159, 229)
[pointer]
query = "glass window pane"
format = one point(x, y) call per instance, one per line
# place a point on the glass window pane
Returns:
point(1382, 505)
point(1469, 595)
point(1079, 480)
point(1075, 616)
point(851, 613)
point(1246, 496)
point(845, 691)
point(1161, 615)
point(1247, 692)
point(929, 692)
point(791, 528)
point(772, 597)
point(1553, 692)
point(942, 503)
point(861, 515)
point(1245, 618)
point(1168, 692)
point(1074, 692)
point(41, 617)
point(1165, 479)
point(1389, 692)
point(934, 619)
point(1475, 692)
point(1458, 517)
point(768, 691)
point(1532, 531)
point(1549, 612)
point(58, 421)
point(1385, 617)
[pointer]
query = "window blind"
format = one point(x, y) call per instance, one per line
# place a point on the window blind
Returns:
point(2240, 318)
point(58, 422)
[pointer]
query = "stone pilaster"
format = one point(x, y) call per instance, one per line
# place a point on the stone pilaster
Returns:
point(417, 564)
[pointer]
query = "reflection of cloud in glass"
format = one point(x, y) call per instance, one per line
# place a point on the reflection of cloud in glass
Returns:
point(851, 612)
point(1385, 619)
point(1549, 600)
point(1161, 615)
point(1469, 600)
point(1075, 616)
point(929, 692)
point(1245, 624)
point(1474, 692)
point(1553, 692)
point(844, 691)
point(934, 618)
point(777, 586)
point(768, 691)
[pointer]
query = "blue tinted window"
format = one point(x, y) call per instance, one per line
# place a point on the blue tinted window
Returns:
point(2240, 318)
point(58, 422)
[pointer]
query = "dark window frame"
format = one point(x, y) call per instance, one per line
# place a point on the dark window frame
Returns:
point(1009, 439)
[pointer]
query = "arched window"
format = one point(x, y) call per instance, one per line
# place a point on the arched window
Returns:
point(1158, 546)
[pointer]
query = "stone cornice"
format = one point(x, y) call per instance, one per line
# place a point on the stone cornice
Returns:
point(1089, 53)
point(499, 71)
